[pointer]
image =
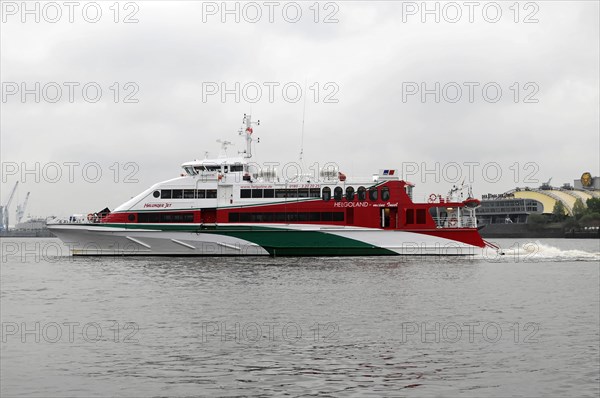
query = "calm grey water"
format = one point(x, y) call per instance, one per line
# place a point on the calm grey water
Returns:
point(526, 324)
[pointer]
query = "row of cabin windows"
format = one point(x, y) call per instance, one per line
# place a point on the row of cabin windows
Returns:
point(338, 193)
point(361, 193)
point(186, 194)
point(280, 193)
point(163, 217)
point(277, 217)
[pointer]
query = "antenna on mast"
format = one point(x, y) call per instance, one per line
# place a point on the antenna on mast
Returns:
point(302, 134)
point(248, 131)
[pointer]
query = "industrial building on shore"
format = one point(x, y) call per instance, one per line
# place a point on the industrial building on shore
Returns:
point(516, 205)
point(507, 214)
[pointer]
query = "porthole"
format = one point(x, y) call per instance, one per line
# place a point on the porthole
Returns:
point(326, 194)
point(349, 194)
point(385, 194)
point(362, 193)
point(373, 194)
point(131, 217)
point(338, 192)
point(156, 194)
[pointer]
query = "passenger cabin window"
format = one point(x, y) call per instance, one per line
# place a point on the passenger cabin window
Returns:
point(362, 194)
point(421, 218)
point(286, 217)
point(350, 194)
point(186, 193)
point(258, 193)
point(385, 194)
point(410, 216)
point(337, 193)
point(165, 217)
point(326, 194)
point(373, 193)
point(236, 168)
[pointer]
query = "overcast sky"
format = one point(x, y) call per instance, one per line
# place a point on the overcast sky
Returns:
point(366, 66)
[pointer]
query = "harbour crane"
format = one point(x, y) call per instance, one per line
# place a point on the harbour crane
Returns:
point(21, 209)
point(4, 210)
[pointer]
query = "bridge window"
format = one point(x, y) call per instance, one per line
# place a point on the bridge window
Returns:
point(189, 170)
point(373, 193)
point(362, 194)
point(326, 194)
point(337, 193)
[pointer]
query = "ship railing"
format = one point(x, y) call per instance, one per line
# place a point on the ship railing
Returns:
point(92, 218)
point(454, 222)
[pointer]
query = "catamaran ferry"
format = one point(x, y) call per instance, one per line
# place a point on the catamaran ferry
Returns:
point(224, 207)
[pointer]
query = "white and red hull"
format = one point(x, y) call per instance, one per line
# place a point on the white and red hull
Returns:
point(253, 240)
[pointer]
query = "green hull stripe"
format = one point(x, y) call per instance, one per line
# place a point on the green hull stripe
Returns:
point(281, 241)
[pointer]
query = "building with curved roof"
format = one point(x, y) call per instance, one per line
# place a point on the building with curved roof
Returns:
point(515, 205)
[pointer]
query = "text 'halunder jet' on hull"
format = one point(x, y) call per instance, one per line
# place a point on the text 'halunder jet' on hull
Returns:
point(224, 207)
